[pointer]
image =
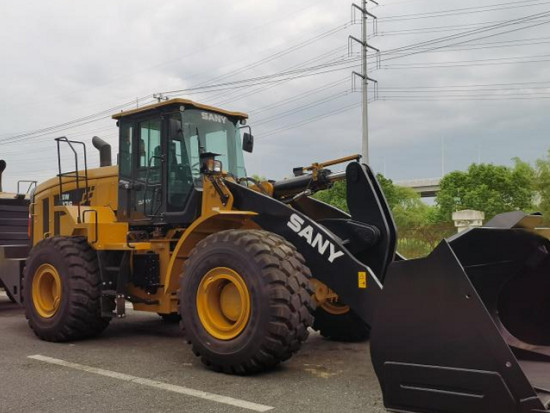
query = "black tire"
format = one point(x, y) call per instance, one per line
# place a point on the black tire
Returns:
point(9, 294)
point(281, 301)
point(347, 327)
point(78, 315)
point(170, 318)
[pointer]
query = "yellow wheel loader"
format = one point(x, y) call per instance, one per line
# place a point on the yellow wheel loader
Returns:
point(178, 229)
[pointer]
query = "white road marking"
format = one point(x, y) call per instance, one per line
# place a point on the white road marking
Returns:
point(156, 384)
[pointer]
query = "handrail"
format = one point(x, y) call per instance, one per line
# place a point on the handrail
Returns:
point(72, 174)
point(26, 181)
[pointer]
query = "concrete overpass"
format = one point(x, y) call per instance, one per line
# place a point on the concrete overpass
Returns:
point(427, 188)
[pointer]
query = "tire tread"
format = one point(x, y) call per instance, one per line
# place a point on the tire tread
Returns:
point(291, 305)
point(83, 319)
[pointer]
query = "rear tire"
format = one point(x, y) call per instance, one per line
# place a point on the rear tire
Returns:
point(245, 300)
point(346, 327)
point(62, 290)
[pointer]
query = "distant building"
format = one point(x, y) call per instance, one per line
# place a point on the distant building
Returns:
point(427, 188)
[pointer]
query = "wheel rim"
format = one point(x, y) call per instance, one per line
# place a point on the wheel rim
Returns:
point(327, 299)
point(223, 303)
point(335, 307)
point(46, 291)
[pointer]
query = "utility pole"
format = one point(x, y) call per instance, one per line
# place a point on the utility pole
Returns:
point(442, 156)
point(363, 75)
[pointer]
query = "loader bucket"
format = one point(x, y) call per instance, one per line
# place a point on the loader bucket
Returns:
point(467, 329)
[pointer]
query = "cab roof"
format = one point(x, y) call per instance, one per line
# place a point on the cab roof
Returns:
point(184, 102)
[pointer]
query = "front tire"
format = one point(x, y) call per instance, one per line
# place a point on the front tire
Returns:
point(61, 286)
point(245, 300)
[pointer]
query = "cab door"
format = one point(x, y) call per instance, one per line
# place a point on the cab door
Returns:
point(141, 163)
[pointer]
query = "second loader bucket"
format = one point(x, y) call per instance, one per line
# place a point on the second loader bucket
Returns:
point(467, 329)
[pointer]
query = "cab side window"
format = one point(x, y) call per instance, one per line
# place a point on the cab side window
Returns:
point(149, 164)
point(125, 160)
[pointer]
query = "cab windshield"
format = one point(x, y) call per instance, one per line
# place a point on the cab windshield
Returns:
point(205, 131)
point(199, 132)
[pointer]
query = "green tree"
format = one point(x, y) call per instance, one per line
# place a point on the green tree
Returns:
point(405, 203)
point(542, 185)
point(417, 234)
point(390, 190)
point(409, 210)
point(335, 196)
point(259, 178)
point(489, 188)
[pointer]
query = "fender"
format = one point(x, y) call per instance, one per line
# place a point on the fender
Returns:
point(216, 221)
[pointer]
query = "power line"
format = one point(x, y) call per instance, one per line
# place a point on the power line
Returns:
point(277, 55)
point(277, 77)
point(235, 96)
point(202, 49)
point(298, 109)
point(484, 46)
point(413, 48)
point(464, 63)
point(73, 123)
point(294, 98)
point(467, 33)
point(308, 71)
point(481, 30)
point(395, 3)
point(469, 86)
point(458, 98)
point(309, 120)
point(464, 10)
point(14, 138)
point(285, 76)
point(434, 29)
point(469, 92)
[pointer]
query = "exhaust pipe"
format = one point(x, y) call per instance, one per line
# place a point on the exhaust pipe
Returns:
point(2, 167)
point(104, 151)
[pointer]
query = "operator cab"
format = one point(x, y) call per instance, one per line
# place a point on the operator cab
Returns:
point(160, 149)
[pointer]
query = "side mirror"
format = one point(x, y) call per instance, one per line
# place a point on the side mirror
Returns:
point(248, 142)
point(175, 127)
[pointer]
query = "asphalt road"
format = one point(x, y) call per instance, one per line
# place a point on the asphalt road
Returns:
point(143, 364)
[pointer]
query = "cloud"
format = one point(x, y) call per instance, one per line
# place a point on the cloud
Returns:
point(62, 60)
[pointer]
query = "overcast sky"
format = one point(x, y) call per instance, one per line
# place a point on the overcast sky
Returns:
point(439, 107)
